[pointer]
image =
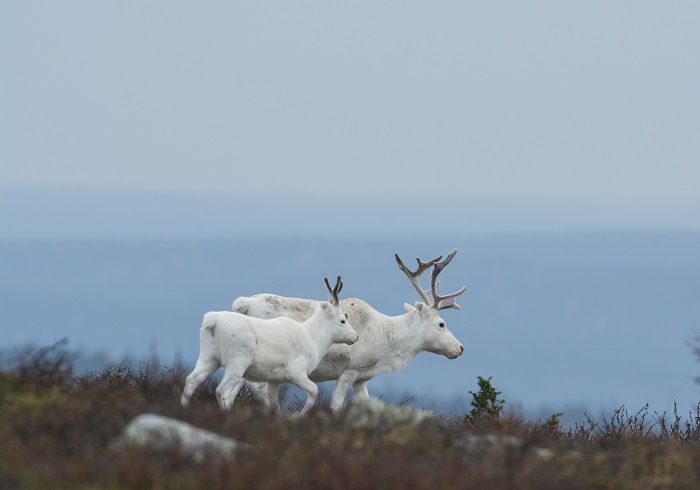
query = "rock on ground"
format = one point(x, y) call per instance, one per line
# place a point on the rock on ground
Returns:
point(161, 432)
point(371, 413)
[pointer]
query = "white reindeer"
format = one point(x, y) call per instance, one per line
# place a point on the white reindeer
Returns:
point(279, 350)
point(387, 343)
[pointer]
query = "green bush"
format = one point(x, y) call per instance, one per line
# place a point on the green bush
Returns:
point(485, 403)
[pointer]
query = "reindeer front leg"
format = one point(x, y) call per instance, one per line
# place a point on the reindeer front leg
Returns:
point(342, 386)
point(311, 390)
point(360, 388)
point(273, 397)
point(260, 390)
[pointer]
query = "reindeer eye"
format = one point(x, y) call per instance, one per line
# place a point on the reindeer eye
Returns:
point(442, 325)
point(342, 321)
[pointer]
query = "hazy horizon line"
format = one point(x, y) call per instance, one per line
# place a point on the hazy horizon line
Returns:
point(347, 197)
point(63, 213)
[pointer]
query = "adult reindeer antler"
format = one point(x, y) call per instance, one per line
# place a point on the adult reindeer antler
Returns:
point(447, 301)
point(333, 299)
point(414, 276)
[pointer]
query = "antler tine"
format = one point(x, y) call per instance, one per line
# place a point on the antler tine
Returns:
point(338, 287)
point(422, 266)
point(414, 276)
point(447, 301)
point(332, 292)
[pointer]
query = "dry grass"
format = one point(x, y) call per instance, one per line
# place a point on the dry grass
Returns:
point(56, 430)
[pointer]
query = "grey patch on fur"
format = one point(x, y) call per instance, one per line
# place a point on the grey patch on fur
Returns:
point(303, 309)
point(273, 302)
point(357, 313)
point(298, 310)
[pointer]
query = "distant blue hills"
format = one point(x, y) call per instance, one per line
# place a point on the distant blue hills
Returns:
point(558, 318)
point(567, 304)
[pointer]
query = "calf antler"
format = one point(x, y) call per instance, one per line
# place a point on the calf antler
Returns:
point(414, 276)
point(447, 301)
point(333, 299)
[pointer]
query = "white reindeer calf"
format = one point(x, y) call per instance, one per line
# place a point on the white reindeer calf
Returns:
point(279, 350)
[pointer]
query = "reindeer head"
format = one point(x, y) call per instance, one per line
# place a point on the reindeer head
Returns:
point(435, 335)
point(340, 328)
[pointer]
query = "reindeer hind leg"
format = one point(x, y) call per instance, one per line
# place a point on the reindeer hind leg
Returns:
point(201, 371)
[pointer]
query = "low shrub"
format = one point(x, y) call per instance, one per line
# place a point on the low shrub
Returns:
point(57, 429)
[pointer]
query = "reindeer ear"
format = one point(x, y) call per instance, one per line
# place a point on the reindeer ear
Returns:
point(325, 306)
point(420, 306)
point(408, 308)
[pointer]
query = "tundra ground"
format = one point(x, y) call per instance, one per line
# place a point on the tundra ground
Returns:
point(57, 431)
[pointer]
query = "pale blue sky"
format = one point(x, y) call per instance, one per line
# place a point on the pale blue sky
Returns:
point(586, 101)
point(483, 117)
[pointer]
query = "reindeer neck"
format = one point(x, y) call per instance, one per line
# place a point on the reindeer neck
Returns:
point(405, 334)
point(318, 331)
